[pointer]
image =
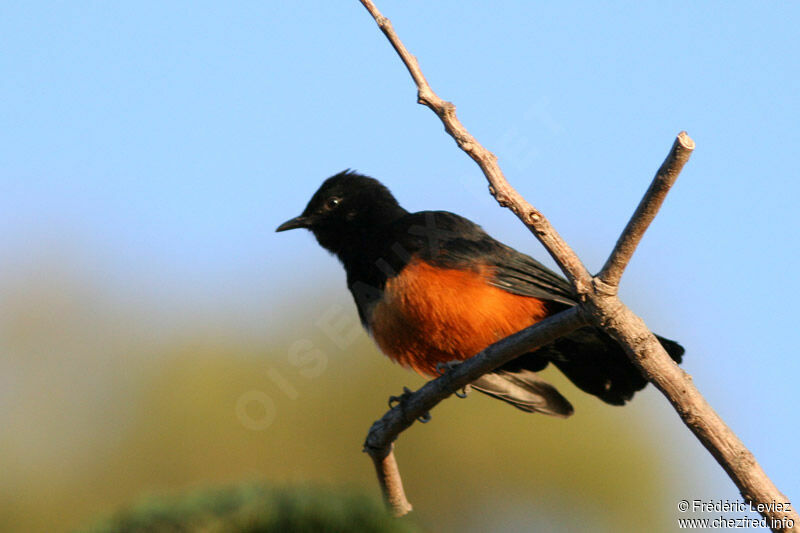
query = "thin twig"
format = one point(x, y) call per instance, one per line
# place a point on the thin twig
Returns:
point(600, 306)
point(390, 480)
point(647, 210)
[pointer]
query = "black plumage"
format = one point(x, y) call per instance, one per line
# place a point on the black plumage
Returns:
point(357, 219)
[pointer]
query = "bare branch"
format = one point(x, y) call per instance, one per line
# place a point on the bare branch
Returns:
point(390, 480)
point(598, 304)
point(647, 210)
point(502, 191)
point(719, 439)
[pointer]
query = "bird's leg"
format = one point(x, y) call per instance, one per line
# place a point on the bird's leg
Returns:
point(398, 401)
point(441, 368)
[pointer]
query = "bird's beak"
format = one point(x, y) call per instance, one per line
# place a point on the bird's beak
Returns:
point(294, 223)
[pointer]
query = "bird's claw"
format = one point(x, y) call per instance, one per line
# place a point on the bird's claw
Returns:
point(394, 400)
point(441, 368)
point(398, 400)
point(463, 392)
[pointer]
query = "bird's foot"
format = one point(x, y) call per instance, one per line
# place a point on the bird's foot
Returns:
point(395, 400)
point(441, 368)
point(398, 400)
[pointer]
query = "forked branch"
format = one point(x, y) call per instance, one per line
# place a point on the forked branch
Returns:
point(598, 306)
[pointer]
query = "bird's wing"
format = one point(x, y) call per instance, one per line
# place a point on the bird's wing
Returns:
point(451, 241)
point(520, 274)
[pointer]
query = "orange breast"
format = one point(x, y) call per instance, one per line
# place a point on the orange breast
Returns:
point(430, 315)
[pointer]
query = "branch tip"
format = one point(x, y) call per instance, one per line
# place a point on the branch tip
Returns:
point(686, 141)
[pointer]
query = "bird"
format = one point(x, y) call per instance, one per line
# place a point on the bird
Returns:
point(432, 288)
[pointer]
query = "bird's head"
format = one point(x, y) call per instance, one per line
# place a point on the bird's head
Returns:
point(346, 208)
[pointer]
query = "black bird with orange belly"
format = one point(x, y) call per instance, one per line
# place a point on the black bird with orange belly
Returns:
point(432, 287)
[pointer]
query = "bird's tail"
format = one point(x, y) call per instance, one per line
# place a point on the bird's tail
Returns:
point(588, 357)
point(595, 363)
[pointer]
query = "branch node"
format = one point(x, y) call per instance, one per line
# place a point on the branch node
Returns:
point(604, 289)
point(424, 96)
point(534, 217)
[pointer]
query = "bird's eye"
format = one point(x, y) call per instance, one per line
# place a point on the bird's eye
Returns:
point(332, 202)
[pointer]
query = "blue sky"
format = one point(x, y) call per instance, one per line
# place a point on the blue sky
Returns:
point(158, 145)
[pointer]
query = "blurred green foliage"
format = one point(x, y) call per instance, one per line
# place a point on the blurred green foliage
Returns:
point(106, 398)
point(257, 509)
